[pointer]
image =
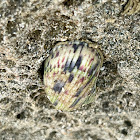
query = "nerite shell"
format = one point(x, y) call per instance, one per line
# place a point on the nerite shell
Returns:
point(70, 74)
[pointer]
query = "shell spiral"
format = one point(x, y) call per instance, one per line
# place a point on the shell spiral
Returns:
point(70, 74)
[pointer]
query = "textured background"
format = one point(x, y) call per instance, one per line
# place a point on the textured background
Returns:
point(28, 29)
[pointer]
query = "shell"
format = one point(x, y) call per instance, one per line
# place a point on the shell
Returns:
point(131, 7)
point(70, 74)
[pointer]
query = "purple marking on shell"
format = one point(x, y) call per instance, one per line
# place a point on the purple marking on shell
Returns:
point(58, 86)
point(71, 78)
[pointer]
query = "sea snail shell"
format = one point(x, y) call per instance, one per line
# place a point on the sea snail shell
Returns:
point(70, 74)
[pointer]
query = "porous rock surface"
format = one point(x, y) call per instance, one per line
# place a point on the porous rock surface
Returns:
point(28, 30)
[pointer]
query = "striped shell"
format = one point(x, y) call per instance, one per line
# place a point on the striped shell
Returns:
point(70, 74)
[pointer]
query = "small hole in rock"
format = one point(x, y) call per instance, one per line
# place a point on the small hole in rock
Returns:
point(60, 115)
point(128, 123)
point(124, 132)
point(21, 115)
